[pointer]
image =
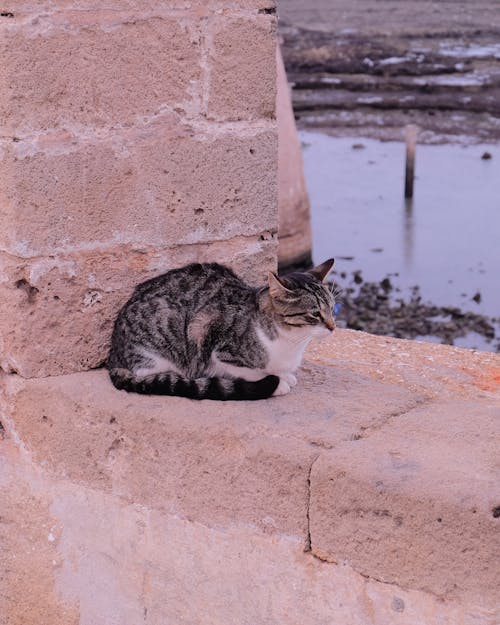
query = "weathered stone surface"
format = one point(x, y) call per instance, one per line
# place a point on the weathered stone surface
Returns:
point(199, 460)
point(175, 571)
point(94, 68)
point(57, 313)
point(295, 238)
point(156, 186)
point(413, 501)
point(152, 496)
point(428, 369)
point(110, 170)
point(117, 562)
point(243, 77)
point(28, 553)
point(84, 224)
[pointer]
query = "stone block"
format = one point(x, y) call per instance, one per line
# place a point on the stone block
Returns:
point(243, 69)
point(157, 186)
point(125, 561)
point(20, 7)
point(173, 454)
point(169, 456)
point(412, 503)
point(429, 370)
point(94, 68)
point(57, 313)
point(111, 561)
point(29, 557)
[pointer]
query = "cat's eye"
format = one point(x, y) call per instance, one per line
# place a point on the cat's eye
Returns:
point(316, 314)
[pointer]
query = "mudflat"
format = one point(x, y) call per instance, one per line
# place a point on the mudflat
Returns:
point(372, 66)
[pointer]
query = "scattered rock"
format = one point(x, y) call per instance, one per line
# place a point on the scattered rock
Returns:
point(386, 284)
point(373, 307)
point(486, 156)
point(357, 277)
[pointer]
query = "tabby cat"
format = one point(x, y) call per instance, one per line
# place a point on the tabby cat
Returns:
point(201, 332)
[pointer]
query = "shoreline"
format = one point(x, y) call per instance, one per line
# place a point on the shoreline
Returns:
point(379, 307)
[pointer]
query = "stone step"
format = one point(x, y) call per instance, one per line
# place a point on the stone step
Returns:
point(372, 487)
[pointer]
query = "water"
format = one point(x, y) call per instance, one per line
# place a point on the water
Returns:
point(447, 240)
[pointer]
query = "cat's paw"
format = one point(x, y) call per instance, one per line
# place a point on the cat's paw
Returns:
point(282, 389)
point(289, 378)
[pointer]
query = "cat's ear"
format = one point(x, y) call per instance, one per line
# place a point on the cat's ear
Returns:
point(321, 271)
point(276, 287)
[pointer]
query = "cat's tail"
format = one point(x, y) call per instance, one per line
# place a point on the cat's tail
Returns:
point(170, 383)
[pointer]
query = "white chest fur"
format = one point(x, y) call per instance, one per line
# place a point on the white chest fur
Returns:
point(286, 351)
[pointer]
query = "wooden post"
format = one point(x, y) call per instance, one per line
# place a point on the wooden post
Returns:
point(411, 142)
point(409, 235)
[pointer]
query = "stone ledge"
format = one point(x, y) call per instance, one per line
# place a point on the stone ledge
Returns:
point(380, 440)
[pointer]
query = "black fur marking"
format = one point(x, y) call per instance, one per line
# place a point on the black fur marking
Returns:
point(173, 384)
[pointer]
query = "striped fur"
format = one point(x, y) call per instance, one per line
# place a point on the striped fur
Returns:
point(200, 332)
point(200, 388)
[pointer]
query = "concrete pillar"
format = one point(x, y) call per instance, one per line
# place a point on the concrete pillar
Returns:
point(295, 241)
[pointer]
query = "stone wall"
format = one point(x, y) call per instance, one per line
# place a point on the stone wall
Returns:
point(137, 136)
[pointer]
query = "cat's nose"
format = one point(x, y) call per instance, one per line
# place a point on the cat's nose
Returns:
point(330, 324)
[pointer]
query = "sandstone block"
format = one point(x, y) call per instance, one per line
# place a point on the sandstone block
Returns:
point(169, 456)
point(211, 462)
point(94, 68)
point(125, 561)
point(243, 74)
point(159, 186)
point(28, 554)
point(412, 503)
point(57, 313)
point(398, 502)
point(429, 370)
point(18, 7)
point(152, 496)
point(93, 558)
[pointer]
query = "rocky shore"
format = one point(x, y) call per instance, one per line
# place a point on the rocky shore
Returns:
point(373, 68)
point(381, 308)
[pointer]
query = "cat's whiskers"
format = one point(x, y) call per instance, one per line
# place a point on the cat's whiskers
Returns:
point(296, 335)
point(335, 290)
